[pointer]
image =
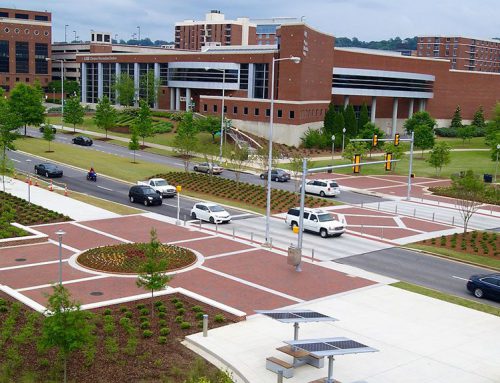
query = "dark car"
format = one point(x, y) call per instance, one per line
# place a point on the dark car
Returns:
point(82, 140)
point(47, 126)
point(48, 170)
point(485, 285)
point(277, 175)
point(144, 194)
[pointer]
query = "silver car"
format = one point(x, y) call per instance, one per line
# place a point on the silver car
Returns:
point(208, 167)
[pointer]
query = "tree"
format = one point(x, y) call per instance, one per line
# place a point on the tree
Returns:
point(439, 156)
point(238, 157)
point(419, 118)
point(48, 135)
point(456, 121)
point(364, 118)
point(493, 126)
point(26, 102)
point(186, 140)
point(424, 137)
point(70, 87)
point(263, 158)
point(210, 124)
point(149, 86)
point(73, 111)
point(152, 275)
point(143, 123)
point(368, 131)
point(354, 148)
point(65, 327)
point(468, 191)
point(478, 119)
point(351, 124)
point(329, 120)
point(9, 123)
point(398, 152)
point(297, 166)
point(105, 115)
point(134, 143)
point(124, 86)
point(466, 132)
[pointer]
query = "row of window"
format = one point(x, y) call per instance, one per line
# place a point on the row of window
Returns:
point(25, 16)
point(23, 57)
point(256, 111)
point(27, 31)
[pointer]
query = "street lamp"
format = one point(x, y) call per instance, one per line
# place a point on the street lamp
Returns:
point(75, 40)
point(496, 167)
point(139, 41)
point(343, 139)
point(222, 108)
point(62, 88)
point(60, 234)
point(295, 60)
point(65, 32)
point(333, 144)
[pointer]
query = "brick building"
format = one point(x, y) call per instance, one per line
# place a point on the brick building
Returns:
point(25, 43)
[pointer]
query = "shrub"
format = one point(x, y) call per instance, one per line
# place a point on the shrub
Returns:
point(185, 325)
point(200, 324)
point(162, 323)
point(314, 138)
point(162, 339)
point(179, 305)
point(144, 311)
point(107, 312)
point(158, 303)
point(123, 309)
point(219, 318)
point(124, 321)
point(174, 300)
point(179, 319)
point(199, 315)
point(129, 314)
point(140, 306)
point(147, 333)
point(181, 311)
point(162, 315)
point(164, 331)
point(3, 309)
point(3, 302)
point(161, 309)
point(196, 309)
point(143, 318)
point(145, 325)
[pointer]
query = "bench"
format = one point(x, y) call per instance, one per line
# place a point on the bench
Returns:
point(302, 357)
point(274, 364)
point(315, 361)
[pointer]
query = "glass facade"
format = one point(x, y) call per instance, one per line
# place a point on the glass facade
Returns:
point(91, 91)
point(22, 57)
point(4, 56)
point(163, 74)
point(202, 75)
point(146, 73)
point(108, 80)
point(41, 54)
point(244, 76)
point(261, 82)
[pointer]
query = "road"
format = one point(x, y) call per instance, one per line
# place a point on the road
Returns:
point(433, 272)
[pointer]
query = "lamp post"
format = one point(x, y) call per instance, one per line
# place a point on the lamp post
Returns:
point(343, 139)
point(139, 40)
point(333, 144)
point(62, 88)
point(222, 106)
point(496, 167)
point(296, 60)
point(65, 32)
point(60, 234)
point(75, 40)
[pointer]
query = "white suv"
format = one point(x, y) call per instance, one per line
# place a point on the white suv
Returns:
point(325, 188)
point(318, 221)
point(210, 212)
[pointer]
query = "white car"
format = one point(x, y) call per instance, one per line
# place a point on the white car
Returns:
point(210, 212)
point(161, 186)
point(324, 188)
point(318, 221)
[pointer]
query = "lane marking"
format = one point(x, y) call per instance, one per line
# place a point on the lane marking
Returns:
point(242, 215)
point(102, 187)
point(64, 283)
point(460, 278)
point(14, 160)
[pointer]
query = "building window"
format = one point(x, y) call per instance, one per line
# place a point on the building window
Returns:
point(22, 57)
point(291, 114)
point(205, 107)
point(215, 108)
point(225, 108)
point(4, 14)
point(26, 31)
point(41, 18)
point(4, 56)
point(261, 80)
point(280, 113)
point(41, 53)
point(235, 110)
point(245, 110)
point(22, 16)
point(6, 30)
point(268, 112)
point(256, 111)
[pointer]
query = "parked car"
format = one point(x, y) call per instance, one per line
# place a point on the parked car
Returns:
point(48, 170)
point(48, 126)
point(324, 188)
point(82, 140)
point(144, 194)
point(210, 212)
point(318, 221)
point(208, 167)
point(278, 175)
point(161, 186)
point(485, 285)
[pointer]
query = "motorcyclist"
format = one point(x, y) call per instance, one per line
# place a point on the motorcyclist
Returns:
point(92, 173)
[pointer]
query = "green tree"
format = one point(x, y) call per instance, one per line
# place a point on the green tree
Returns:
point(185, 139)
point(329, 120)
point(419, 118)
point(456, 121)
point(424, 138)
point(70, 87)
point(65, 326)
point(466, 132)
point(398, 152)
point(238, 158)
point(48, 135)
point(364, 118)
point(439, 156)
point(149, 86)
point(468, 191)
point(478, 119)
point(134, 143)
point(493, 127)
point(351, 125)
point(209, 124)
point(263, 158)
point(143, 123)
point(152, 275)
point(124, 86)
point(367, 133)
point(296, 167)
point(73, 111)
point(9, 123)
point(26, 102)
point(353, 148)
point(105, 115)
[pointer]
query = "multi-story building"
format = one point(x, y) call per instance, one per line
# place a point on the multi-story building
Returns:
point(266, 28)
point(393, 86)
point(215, 30)
point(25, 45)
point(464, 53)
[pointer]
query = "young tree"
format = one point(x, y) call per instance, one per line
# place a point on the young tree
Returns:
point(419, 118)
point(468, 191)
point(351, 125)
point(9, 122)
point(210, 124)
point(134, 143)
point(424, 138)
point(152, 275)
point(329, 120)
point(263, 158)
point(65, 327)
point(297, 166)
point(398, 152)
point(439, 156)
point(238, 158)
point(26, 102)
point(368, 131)
point(48, 135)
point(364, 118)
point(124, 86)
point(143, 123)
point(186, 140)
point(478, 119)
point(338, 127)
point(493, 127)
point(456, 121)
point(354, 148)
point(149, 86)
point(466, 132)
point(105, 115)
point(73, 112)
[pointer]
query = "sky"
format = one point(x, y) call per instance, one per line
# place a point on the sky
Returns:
point(365, 19)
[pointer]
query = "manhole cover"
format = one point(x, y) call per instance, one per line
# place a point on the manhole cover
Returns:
point(20, 259)
point(96, 293)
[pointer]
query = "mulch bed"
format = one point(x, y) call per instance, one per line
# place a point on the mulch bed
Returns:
point(114, 359)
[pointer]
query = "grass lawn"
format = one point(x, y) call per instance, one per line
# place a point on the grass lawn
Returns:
point(483, 261)
point(104, 204)
point(448, 298)
point(458, 143)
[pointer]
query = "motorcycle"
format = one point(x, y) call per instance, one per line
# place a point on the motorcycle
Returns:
point(91, 177)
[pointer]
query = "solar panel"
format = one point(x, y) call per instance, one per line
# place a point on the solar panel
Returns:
point(311, 314)
point(346, 344)
point(312, 347)
point(281, 315)
point(296, 315)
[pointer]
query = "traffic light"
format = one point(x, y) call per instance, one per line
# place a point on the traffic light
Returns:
point(388, 163)
point(357, 160)
point(375, 140)
point(396, 139)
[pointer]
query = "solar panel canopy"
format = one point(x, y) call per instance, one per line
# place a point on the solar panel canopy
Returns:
point(331, 346)
point(292, 316)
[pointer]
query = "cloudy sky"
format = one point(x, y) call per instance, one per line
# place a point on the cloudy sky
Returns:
point(364, 19)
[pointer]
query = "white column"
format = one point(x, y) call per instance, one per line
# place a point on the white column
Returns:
point(410, 107)
point(172, 98)
point(373, 110)
point(99, 81)
point(177, 99)
point(421, 106)
point(118, 70)
point(83, 71)
point(394, 116)
point(346, 101)
point(136, 83)
point(157, 81)
point(251, 76)
point(188, 99)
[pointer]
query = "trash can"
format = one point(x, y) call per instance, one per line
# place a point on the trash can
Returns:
point(488, 178)
point(294, 255)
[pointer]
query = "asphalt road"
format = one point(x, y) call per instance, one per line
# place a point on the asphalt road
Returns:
point(433, 272)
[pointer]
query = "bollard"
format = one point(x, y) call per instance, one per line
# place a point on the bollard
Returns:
point(382, 232)
point(312, 255)
point(361, 204)
point(65, 190)
point(396, 210)
point(453, 221)
point(270, 242)
point(200, 224)
point(51, 188)
point(184, 219)
point(362, 230)
point(233, 232)
point(378, 206)
point(414, 212)
point(251, 236)
point(280, 376)
point(433, 216)
point(205, 325)
point(216, 228)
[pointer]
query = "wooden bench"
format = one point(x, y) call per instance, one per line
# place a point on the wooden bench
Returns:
point(302, 357)
point(293, 351)
point(274, 364)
